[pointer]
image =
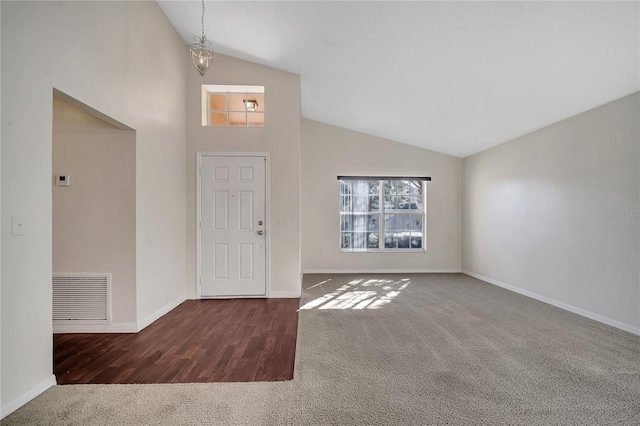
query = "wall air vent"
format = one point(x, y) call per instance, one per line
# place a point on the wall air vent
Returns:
point(81, 298)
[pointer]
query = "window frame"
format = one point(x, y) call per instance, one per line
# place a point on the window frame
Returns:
point(229, 90)
point(381, 214)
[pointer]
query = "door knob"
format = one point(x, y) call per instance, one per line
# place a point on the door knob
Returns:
point(260, 232)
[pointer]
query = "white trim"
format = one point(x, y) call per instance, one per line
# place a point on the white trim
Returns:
point(224, 88)
point(198, 282)
point(284, 294)
point(204, 108)
point(379, 250)
point(123, 327)
point(267, 228)
point(231, 296)
point(381, 271)
point(596, 317)
point(33, 392)
point(160, 312)
point(230, 88)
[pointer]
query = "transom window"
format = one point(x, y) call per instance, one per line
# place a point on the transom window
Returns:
point(233, 106)
point(382, 214)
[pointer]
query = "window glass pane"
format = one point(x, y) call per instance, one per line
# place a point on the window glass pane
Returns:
point(374, 203)
point(255, 119)
point(416, 223)
point(416, 241)
point(403, 239)
point(402, 195)
point(360, 201)
point(373, 223)
point(413, 187)
point(236, 102)
point(389, 188)
point(390, 222)
point(403, 222)
point(414, 204)
point(345, 203)
point(345, 187)
point(389, 203)
point(218, 101)
point(419, 204)
point(218, 119)
point(404, 202)
point(359, 222)
point(346, 224)
point(345, 240)
point(360, 204)
point(359, 240)
point(390, 241)
point(374, 187)
point(373, 240)
point(237, 119)
point(360, 187)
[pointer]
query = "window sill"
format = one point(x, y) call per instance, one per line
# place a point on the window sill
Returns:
point(384, 251)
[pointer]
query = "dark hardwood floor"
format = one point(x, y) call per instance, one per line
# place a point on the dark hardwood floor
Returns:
point(237, 340)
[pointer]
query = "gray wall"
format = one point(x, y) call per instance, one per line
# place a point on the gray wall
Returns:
point(97, 53)
point(280, 138)
point(554, 214)
point(94, 219)
point(329, 151)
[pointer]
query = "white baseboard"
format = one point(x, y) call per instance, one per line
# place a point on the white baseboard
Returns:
point(381, 271)
point(596, 317)
point(269, 295)
point(148, 320)
point(284, 294)
point(123, 327)
point(18, 402)
point(126, 327)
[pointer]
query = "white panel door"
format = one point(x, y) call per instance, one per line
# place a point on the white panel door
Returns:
point(233, 224)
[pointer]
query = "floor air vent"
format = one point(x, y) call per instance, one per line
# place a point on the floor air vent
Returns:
point(81, 298)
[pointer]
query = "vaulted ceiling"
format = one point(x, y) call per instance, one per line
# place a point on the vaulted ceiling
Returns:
point(453, 77)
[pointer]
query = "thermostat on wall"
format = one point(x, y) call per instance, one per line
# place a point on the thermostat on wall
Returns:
point(63, 180)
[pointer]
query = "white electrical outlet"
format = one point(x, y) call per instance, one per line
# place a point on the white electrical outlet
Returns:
point(283, 221)
point(17, 225)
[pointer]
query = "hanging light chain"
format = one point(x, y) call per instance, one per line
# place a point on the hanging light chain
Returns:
point(202, 21)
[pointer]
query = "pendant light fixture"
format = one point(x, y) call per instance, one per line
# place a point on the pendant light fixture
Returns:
point(201, 56)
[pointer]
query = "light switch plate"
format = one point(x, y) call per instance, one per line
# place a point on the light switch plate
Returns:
point(17, 225)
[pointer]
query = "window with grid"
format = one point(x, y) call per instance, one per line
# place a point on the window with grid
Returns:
point(233, 106)
point(382, 214)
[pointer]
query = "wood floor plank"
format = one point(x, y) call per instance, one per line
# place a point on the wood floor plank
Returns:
point(236, 340)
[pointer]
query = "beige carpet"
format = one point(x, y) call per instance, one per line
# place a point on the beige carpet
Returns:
point(399, 349)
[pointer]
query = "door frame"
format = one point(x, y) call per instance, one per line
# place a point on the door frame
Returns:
point(267, 229)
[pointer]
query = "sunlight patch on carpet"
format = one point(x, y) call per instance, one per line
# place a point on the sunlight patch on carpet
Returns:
point(360, 294)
